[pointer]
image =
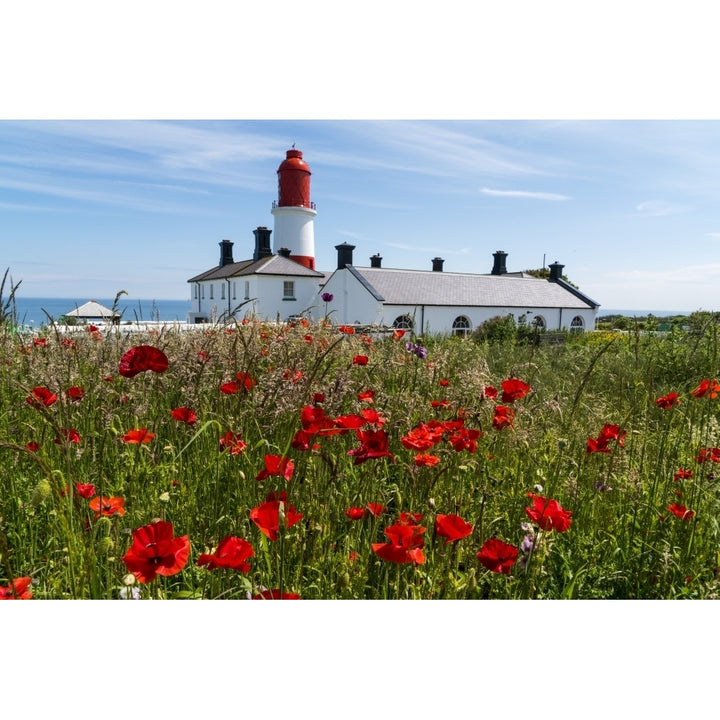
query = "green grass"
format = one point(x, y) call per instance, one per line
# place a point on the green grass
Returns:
point(622, 543)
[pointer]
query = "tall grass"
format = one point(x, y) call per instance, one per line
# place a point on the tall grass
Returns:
point(623, 541)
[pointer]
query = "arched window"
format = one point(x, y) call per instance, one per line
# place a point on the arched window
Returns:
point(461, 326)
point(577, 325)
point(403, 322)
point(539, 322)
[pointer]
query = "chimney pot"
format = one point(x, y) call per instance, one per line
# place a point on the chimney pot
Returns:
point(262, 243)
point(285, 252)
point(555, 271)
point(499, 258)
point(437, 264)
point(226, 256)
point(344, 251)
point(376, 260)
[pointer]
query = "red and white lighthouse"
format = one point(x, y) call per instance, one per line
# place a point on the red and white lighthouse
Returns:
point(294, 212)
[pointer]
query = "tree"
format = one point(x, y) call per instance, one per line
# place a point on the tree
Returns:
point(544, 274)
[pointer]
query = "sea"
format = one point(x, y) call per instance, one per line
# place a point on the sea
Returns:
point(35, 312)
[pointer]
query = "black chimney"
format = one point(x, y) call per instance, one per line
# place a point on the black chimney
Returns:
point(437, 264)
point(285, 252)
point(345, 257)
point(499, 263)
point(226, 253)
point(555, 271)
point(262, 243)
point(376, 260)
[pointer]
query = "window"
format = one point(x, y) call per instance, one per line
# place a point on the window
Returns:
point(403, 322)
point(222, 291)
point(288, 290)
point(212, 288)
point(202, 287)
point(577, 325)
point(234, 289)
point(539, 322)
point(195, 287)
point(247, 290)
point(461, 326)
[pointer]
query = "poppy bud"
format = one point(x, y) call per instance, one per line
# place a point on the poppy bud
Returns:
point(344, 580)
point(103, 527)
point(42, 492)
point(105, 546)
point(472, 580)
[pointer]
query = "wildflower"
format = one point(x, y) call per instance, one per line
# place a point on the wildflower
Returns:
point(497, 556)
point(372, 416)
point(18, 589)
point(711, 454)
point(416, 349)
point(33, 446)
point(202, 356)
point(155, 551)
point(514, 389)
point(231, 552)
point(85, 490)
point(357, 513)
point(327, 297)
point(184, 414)
point(608, 433)
point(75, 393)
point(682, 474)
point(444, 383)
point(452, 527)
point(490, 392)
point(375, 509)
point(232, 443)
point(107, 506)
point(711, 388)
point(527, 547)
point(374, 444)
point(277, 465)
point(548, 514)
point(142, 358)
point(275, 594)
point(68, 435)
point(503, 417)
point(346, 329)
point(398, 334)
point(267, 515)
point(40, 342)
point(667, 401)
point(360, 360)
point(243, 381)
point(681, 511)
point(366, 396)
point(463, 438)
point(426, 460)
point(138, 436)
point(41, 396)
point(405, 544)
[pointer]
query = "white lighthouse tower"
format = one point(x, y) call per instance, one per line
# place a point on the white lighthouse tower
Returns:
point(294, 212)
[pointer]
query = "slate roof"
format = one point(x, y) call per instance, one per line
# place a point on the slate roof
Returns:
point(427, 287)
point(270, 265)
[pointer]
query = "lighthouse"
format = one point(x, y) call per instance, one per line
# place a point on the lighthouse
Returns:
point(294, 212)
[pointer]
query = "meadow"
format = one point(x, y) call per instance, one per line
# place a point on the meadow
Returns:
point(255, 460)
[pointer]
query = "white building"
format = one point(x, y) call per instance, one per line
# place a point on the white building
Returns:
point(283, 282)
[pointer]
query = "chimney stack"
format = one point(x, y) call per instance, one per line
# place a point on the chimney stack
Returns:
point(376, 260)
point(499, 263)
point(285, 252)
point(226, 256)
point(555, 271)
point(437, 264)
point(262, 243)
point(345, 257)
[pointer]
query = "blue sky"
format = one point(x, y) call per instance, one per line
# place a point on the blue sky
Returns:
point(630, 207)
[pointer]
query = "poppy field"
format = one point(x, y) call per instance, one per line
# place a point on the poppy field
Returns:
point(310, 461)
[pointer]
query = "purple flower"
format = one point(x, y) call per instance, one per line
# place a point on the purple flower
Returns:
point(327, 297)
point(416, 349)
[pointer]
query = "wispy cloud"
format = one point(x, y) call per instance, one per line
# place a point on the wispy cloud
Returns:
point(524, 194)
point(445, 250)
point(713, 235)
point(654, 208)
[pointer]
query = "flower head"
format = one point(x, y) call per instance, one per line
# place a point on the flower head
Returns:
point(452, 527)
point(185, 415)
point(514, 389)
point(548, 514)
point(155, 551)
point(405, 543)
point(277, 465)
point(138, 436)
point(267, 515)
point(667, 401)
point(18, 589)
point(41, 396)
point(681, 511)
point(107, 506)
point(498, 556)
point(142, 358)
point(327, 297)
point(231, 552)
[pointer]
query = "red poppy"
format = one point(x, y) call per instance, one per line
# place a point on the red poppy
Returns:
point(267, 515)
point(423, 437)
point(711, 454)
point(231, 552)
point(464, 438)
point(681, 511)
point(514, 389)
point(202, 356)
point(142, 358)
point(711, 388)
point(302, 440)
point(155, 551)
point(318, 398)
point(503, 417)
point(33, 446)
point(75, 393)
point(357, 513)
point(397, 334)
point(138, 436)
point(682, 474)
point(18, 589)
point(85, 490)
point(372, 416)
point(404, 546)
point(243, 381)
point(376, 509)
point(313, 419)
point(346, 329)
point(107, 506)
point(374, 444)
point(68, 435)
point(426, 460)
point(277, 465)
point(409, 518)
point(343, 423)
point(40, 342)
point(498, 556)
point(366, 396)
point(276, 594)
point(294, 377)
point(607, 434)
point(490, 392)
point(667, 401)
point(41, 396)
point(452, 527)
point(440, 403)
point(232, 443)
point(444, 383)
point(184, 414)
point(67, 342)
point(548, 514)
point(92, 328)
